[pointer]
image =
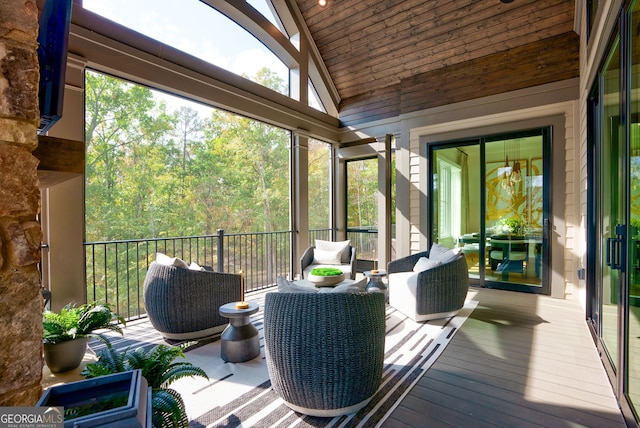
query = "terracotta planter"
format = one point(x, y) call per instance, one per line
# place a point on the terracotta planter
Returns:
point(65, 356)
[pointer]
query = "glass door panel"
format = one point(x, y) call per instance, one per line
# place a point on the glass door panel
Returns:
point(610, 205)
point(489, 198)
point(633, 332)
point(455, 211)
point(514, 212)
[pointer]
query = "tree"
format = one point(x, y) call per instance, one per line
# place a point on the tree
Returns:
point(319, 181)
point(154, 173)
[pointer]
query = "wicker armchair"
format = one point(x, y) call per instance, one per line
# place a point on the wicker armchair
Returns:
point(182, 304)
point(438, 292)
point(325, 351)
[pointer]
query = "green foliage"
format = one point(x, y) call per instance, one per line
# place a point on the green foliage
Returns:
point(319, 180)
point(325, 271)
point(168, 409)
point(74, 322)
point(362, 191)
point(511, 224)
point(152, 172)
point(159, 368)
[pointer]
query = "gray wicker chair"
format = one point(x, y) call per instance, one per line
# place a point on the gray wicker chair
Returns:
point(182, 304)
point(439, 292)
point(306, 263)
point(325, 352)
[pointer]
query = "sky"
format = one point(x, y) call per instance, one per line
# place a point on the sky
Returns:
point(195, 28)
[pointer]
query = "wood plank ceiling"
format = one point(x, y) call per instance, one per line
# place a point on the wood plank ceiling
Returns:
point(389, 57)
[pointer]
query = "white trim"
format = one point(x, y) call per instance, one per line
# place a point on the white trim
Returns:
point(328, 413)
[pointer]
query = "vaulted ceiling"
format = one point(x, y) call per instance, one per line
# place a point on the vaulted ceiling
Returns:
point(388, 57)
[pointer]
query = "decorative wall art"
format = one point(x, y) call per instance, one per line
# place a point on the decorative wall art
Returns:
point(506, 198)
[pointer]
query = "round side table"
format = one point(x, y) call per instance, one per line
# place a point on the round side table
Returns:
point(376, 282)
point(240, 341)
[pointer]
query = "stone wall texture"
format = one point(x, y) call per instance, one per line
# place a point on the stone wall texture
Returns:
point(20, 233)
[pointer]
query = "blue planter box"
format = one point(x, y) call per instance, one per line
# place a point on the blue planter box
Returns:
point(121, 400)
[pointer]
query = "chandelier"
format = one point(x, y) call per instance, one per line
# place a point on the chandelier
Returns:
point(510, 176)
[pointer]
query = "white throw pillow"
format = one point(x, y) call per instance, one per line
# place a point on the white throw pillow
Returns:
point(444, 254)
point(163, 259)
point(327, 257)
point(195, 266)
point(341, 246)
point(424, 263)
point(350, 287)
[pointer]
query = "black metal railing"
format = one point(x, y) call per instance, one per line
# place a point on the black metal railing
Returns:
point(115, 270)
point(365, 239)
point(323, 234)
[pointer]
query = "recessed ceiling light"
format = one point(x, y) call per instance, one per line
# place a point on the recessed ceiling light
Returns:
point(506, 1)
point(322, 3)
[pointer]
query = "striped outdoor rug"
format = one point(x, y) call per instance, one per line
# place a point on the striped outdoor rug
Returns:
point(240, 394)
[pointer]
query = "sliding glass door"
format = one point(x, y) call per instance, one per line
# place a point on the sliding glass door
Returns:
point(489, 198)
point(614, 211)
point(610, 206)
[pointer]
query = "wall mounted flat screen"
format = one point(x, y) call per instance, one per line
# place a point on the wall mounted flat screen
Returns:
point(53, 42)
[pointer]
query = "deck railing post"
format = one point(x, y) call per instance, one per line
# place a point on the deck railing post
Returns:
point(220, 250)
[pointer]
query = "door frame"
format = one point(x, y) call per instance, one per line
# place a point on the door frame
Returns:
point(618, 374)
point(556, 122)
point(481, 142)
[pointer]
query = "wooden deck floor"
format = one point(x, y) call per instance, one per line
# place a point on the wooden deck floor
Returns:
point(520, 360)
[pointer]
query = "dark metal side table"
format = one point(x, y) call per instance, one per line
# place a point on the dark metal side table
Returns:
point(376, 282)
point(240, 341)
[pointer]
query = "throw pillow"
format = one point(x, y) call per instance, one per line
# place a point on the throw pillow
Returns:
point(424, 263)
point(195, 266)
point(349, 287)
point(341, 246)
point(163, 259)
point(443, 254)
point(326, 257)
point(286, 286)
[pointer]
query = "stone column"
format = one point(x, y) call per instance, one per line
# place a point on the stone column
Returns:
point(20, 233)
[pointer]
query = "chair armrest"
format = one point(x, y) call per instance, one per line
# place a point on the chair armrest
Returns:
point(405, 264)
point(306, 260)
point(352, 261)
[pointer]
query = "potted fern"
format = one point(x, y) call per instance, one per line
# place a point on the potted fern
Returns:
point(65, 335)
point(159, 369)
